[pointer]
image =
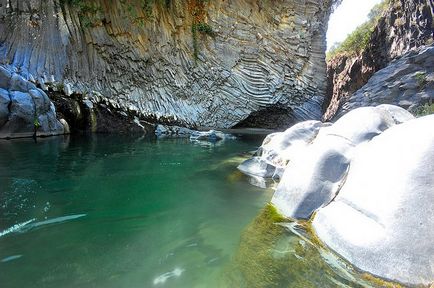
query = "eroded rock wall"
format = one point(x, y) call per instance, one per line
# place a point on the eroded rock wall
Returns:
point(406, 25)
point(260, 55)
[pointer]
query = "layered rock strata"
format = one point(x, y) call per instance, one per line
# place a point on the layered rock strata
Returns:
point(184, 62)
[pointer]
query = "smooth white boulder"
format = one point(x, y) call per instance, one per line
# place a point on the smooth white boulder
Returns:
point(382, 220)
point(257, 167)
point(315, 174)
point(279, 148)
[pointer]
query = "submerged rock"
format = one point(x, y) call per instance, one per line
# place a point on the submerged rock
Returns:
point(172, 131)
point(276, 252)
point(211, 136)
point(382, 219)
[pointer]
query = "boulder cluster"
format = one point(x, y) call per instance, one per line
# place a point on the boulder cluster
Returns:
point(25, 110)
point(366, 183)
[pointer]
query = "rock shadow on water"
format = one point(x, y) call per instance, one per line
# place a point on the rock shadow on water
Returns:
point(279, 252)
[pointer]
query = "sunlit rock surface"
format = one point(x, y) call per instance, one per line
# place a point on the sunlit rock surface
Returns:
point(370, 179)
point(382, 220)
point(407, 82)
point(315, 174)
point(262, 55)
point(278, 148)
point(406, 25)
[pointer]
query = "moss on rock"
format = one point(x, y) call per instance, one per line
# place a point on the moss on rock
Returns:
point(273, 255)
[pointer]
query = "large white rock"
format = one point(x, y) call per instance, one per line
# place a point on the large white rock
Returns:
point(279, 148)
point(317, 171)
point(382, 220)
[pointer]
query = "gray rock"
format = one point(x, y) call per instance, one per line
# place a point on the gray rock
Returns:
point(22, 116)
point(317, 171)
point(382, 219)
point(157, 75)
point(67, 89)
point(5, 77)
point(41, 100)
point(313, 177)
point(88, 104)
point(18, 83)
point(279, 148)
point(406, 82)
point(257, 167)
point(4, 106)
point(161, 130)
point(25, 108)
point(364, 123)
point(173, 131)
point(211, 136)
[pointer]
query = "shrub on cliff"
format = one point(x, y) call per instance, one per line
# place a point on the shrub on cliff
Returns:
point(357, 41)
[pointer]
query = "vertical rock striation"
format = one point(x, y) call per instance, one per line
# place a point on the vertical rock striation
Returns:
point(259, 56)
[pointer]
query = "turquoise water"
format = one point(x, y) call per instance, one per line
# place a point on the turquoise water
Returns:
point(111, 211)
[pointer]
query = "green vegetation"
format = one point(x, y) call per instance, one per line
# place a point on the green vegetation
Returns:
point(272, 255)
point(36, 123)
point(424, 110)
point(138, 11)
point(60, 86)
point(358, 40)
point(198, 14)
point(421, 79)
point(196, 28)
point(89, 13)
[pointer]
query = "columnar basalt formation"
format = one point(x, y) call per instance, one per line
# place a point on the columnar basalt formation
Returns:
point(191, 62)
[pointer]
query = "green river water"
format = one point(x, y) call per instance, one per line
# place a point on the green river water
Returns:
point(116, 211)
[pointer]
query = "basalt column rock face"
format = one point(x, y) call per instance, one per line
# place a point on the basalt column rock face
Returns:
point(192, 63)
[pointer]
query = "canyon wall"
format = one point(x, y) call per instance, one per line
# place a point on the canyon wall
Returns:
point(217, 63)
point(404, 26)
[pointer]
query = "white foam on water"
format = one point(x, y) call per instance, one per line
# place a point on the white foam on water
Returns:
point(55, 220)
point(10, 258)
point(25, 226)
point(16, 227)
point(164, 277)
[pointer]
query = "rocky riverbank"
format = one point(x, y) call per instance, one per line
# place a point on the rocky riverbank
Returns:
point(365, 182)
